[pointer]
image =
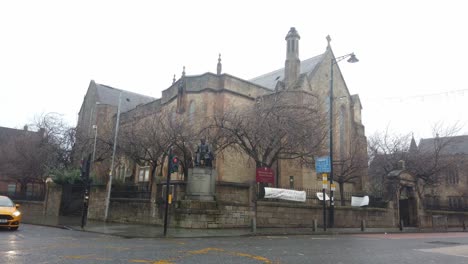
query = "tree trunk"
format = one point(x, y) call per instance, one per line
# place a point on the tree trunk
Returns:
point(162, 164)
point(342, 198)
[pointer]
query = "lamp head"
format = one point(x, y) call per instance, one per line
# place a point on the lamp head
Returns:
point(352, 58)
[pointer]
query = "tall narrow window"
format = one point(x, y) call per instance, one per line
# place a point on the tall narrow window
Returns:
point(143, 175)
point(343, 132)
point(451, 175)
point(192, 113)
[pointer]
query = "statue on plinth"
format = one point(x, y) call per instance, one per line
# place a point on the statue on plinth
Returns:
point(204, 155)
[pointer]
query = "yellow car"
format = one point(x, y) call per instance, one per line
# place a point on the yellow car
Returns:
point(9, 215)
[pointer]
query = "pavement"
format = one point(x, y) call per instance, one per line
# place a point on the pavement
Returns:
point(129, 230)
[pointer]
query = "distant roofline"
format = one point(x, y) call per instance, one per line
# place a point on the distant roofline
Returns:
point(122, 90)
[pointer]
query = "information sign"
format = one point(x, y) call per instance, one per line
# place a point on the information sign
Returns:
point(322, 164)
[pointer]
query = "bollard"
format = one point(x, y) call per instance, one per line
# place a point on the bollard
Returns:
point(401, 224)
point(363, 225)
point(314, 228)
point(464, 226)
point(254, 226)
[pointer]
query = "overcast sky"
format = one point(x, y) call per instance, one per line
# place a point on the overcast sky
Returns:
point(412, 54)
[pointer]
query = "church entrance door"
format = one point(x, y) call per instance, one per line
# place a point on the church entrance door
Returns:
point(408, 207)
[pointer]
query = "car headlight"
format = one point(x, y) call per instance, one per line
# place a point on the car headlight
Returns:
point(16, 213)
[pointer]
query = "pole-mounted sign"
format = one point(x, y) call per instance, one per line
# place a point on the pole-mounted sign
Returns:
point(322, 164)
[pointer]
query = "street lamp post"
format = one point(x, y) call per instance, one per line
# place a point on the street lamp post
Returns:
point(109, 187)
point(352, 59)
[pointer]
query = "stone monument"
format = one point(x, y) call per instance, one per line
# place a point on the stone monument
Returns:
point(202, 178)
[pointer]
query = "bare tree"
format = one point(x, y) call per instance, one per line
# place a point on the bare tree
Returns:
point(351, 166)
point(143, 141)
point(424, 162)
point(283, 125)
point(182, 135)
point(385, 150)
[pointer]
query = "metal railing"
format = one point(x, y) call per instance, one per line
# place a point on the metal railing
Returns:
point(446, 207)
point(132, 191)
point(311, 197)
point(37, 197)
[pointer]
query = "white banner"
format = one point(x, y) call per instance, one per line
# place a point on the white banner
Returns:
point(359, 201)
point(284, 194)
point(320, 196)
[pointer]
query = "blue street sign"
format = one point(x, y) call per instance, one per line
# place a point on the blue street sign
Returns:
point(322, 164)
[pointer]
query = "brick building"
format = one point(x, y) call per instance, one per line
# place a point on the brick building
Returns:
point(17, 145)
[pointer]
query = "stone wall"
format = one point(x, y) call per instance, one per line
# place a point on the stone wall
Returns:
point(49, 207)
point(229, 193)
point(133, 211)
point(210, 214)
point(286, 214)
point(348, 216)
point(122, 210)
point(31, 209)
point(441, 220)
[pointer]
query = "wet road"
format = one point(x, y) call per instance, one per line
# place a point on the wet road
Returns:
point(38, 244)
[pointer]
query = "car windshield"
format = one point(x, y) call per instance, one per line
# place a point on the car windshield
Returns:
point(5, 202)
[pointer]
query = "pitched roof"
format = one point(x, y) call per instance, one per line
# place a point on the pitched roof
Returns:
point(110, 95)
point(270, 79)
point(456, 145)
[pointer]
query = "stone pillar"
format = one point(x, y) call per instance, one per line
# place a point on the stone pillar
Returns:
point(53, 199)
point(154, 196)
point(97, 202)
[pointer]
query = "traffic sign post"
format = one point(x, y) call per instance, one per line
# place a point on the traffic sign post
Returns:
point(170, 165)
point(323, 165)
point(324, 187)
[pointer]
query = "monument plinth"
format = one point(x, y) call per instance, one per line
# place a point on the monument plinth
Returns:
point(201, 184)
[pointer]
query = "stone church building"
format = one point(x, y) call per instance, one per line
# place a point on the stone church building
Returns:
point(207, 94)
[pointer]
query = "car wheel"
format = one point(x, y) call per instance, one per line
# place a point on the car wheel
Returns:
point(14, 228)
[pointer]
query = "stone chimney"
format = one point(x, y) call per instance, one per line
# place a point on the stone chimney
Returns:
point(401, 165)
point(292, 67)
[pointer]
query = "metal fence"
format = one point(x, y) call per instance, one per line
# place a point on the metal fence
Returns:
point(16, 196)
point(132, 191)
point(311, 194)
point(446, 207)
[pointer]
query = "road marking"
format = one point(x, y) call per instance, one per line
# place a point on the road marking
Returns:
point(162, 261)
point(205, 250)
point(413, 235)
point(89, 257)
point(259, 258)
point(459, 251)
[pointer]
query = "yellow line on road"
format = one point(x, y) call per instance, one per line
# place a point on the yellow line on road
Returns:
point(240, 254)
point(90, 257)
point(205, 250)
